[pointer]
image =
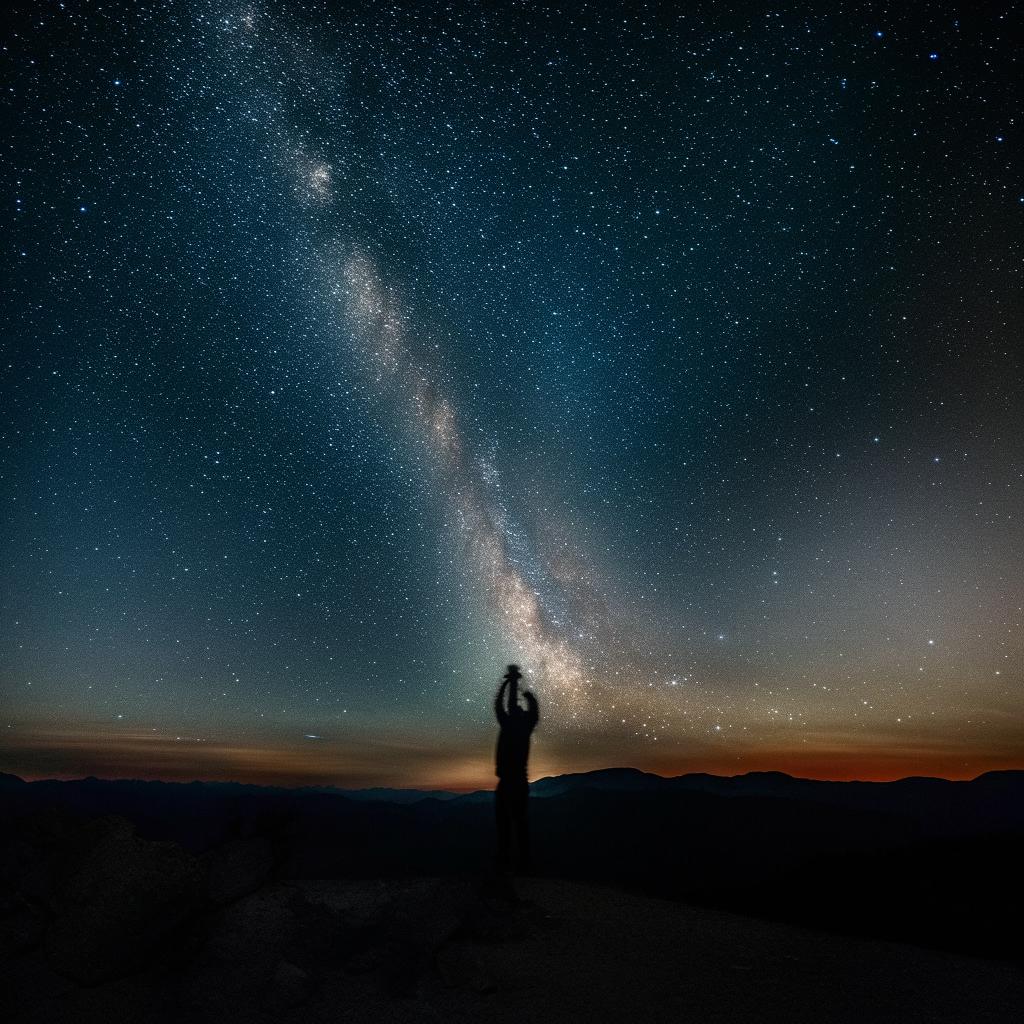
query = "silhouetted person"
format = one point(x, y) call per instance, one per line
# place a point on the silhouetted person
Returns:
point(512, 793)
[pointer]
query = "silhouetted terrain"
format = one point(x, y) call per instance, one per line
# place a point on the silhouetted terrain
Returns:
point(922, 860)
point(102, 880)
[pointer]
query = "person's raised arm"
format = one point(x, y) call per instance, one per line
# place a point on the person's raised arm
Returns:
point(532, 708)
point(499, 711)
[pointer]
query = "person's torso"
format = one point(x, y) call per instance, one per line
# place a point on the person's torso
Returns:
point(513, 748)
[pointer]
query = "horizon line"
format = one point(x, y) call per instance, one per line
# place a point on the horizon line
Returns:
point(467, 791)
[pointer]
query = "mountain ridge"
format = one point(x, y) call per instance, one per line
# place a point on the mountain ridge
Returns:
point(612, 778)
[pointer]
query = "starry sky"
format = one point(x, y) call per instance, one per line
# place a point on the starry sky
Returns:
point(351, 351)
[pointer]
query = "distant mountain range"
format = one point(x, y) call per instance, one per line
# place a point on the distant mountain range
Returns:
point(994, 798)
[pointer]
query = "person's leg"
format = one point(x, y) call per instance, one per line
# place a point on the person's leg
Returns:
point(503, 821)
point(522, 824)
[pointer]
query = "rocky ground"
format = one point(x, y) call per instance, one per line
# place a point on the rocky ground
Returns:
point(104, 926)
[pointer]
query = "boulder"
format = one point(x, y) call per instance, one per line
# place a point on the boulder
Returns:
point(237, 868)
point(21, 925)
point(460, 966)
point(232, 978)
point(118, 897)
point(421, 916)
point(425, 914)
point(257, 930)
point(290, 985)
point(31, 858)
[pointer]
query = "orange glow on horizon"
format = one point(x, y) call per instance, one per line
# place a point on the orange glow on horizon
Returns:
point(70, 755)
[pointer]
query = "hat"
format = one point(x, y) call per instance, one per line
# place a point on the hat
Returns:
point(512, 672)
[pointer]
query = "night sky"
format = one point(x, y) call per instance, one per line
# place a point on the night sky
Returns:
point(350, 352)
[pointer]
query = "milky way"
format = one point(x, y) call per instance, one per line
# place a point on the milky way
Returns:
point(479, 517)
point(376, 329)
point(352, 352)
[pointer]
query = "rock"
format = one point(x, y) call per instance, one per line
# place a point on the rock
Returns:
point(421, 916)
point(31, 860)
point(256, 930)
point(31, 992)
point(426, 914)
point(361, 903)
point(290, 985)
point(460, 967)
point(16, 857)
point(365, 961)
point(324, 938)
point(493, 920)
point(117, 898)
point(21, 926)
point(237, 868)
point(255, 964)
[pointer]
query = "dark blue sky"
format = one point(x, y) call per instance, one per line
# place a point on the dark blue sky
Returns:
point(352, 351)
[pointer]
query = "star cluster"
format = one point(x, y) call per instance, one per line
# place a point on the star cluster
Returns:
point(354, 350)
